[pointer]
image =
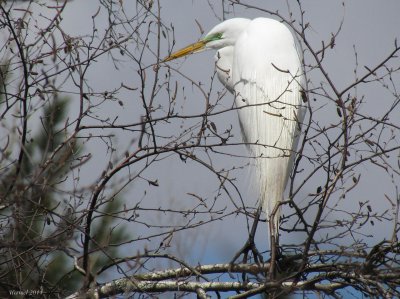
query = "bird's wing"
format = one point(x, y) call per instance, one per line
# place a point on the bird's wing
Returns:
point(267, 76)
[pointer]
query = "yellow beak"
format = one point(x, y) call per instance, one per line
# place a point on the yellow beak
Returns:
point(193, 48)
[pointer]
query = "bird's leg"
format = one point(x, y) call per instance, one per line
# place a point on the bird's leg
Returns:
point(273, 258)
point(274, 241)
point(250, 244)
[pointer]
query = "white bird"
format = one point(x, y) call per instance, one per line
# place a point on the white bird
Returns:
point(258, 62)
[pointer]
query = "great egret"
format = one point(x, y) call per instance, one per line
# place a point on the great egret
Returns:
point(258, 62)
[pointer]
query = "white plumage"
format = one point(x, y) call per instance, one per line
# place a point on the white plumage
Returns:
point(257, 60)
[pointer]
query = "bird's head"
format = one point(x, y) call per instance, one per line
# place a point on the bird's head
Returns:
point(222, 35)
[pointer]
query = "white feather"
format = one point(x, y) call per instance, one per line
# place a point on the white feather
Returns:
point(267, 77)
point(257, 60)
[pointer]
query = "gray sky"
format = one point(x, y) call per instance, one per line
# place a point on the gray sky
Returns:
point(369, 26)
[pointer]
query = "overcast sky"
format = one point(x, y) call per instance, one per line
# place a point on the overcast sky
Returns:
point(370, 27)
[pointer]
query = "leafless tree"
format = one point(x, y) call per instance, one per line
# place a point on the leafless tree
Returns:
point(80, 155)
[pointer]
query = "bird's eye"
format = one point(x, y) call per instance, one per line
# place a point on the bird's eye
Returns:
point(213, 37)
